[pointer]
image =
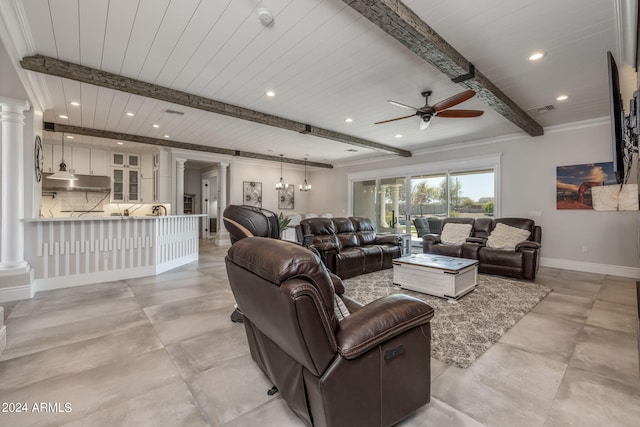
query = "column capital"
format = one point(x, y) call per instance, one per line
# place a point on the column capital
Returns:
point(19, 104)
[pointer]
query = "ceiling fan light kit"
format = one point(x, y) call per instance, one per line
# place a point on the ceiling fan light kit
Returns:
point(441, 109)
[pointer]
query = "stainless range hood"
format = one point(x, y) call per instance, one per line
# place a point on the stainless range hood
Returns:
point(86, 183)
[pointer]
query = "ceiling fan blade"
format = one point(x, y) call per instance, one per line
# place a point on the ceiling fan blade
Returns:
point(398, 104)
point(393, 120)
point(454, 100)
point(460, 113)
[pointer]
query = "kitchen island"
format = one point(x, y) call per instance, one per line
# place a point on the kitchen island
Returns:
point(83, 250)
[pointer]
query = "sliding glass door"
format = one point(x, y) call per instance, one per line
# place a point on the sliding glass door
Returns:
point(394, 202)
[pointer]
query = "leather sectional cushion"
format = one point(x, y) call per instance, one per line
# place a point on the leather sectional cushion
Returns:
point(506, 237)
point(455, 234)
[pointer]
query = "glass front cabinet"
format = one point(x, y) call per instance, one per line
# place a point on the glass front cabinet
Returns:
point(125, 178)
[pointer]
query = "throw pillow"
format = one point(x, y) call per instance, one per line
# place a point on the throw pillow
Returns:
point(506, 237)
point(455, 234)
point(339, 308)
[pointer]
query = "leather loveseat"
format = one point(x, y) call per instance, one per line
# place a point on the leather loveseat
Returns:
point(350, 246)
point(520, 262)
point(369, 367)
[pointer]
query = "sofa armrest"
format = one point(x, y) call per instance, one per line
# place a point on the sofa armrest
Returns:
point(431, 238)
point(392, 239)
point(478, 240)
point(527, 245)
point(379, 321)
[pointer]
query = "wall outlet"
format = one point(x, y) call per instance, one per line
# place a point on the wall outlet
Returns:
point(535, 213)
point(584, 248)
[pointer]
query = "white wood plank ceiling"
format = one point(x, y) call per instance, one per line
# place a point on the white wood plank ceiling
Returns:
point(324, 61)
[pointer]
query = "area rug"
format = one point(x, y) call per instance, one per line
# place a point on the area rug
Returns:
point(464, 329)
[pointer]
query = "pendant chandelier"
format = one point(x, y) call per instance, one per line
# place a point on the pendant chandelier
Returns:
point(63, 174)
point(281, 185)
point(306, 186)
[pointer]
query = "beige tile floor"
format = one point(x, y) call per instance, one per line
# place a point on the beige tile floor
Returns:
point(161, 351)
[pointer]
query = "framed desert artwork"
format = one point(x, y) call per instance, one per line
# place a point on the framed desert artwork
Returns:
point(574, 184)
point(252, 193)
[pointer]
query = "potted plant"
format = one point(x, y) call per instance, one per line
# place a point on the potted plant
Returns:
point(283, 221)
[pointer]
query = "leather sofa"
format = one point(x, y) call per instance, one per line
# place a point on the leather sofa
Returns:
point(350, 246)
point(369, 367)
point(521, 262)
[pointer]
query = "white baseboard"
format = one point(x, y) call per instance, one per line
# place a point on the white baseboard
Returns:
point(14, 293)
point(90, 278)
point(589, 267)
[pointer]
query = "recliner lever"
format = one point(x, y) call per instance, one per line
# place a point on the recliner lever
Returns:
point(273, 390)
point(394, 352)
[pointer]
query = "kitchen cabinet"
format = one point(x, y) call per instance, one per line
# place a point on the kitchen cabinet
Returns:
point(126, 160)
point(99, 162)
point(50, 165)
point(80, 160)
point(125, 178)
point(147, 179)
point(54, 155)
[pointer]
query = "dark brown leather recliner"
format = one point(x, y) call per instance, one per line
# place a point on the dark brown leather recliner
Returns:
point(246, 221)
point(522, 262)
point(350, 246)
point(432, 244)
point(370, 368)
point(249, 221)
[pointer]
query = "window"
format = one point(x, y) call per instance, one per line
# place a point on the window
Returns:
point(465, 188)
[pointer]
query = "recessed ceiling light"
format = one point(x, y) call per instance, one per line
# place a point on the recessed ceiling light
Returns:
point(130, 114)
point(156, 125)
point(69, 136)
point(537, 55)
point(75, 104)
point(120, 143)
point(399, 135)
point(348, 120)
point(62, 116)
point(270, 93)
point(562, 98)
point(167, 136)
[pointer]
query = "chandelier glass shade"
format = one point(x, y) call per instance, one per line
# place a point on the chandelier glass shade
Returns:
point(281, 185)
point(306, 186)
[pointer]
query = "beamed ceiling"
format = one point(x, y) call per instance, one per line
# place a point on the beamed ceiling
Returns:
point(200, 70)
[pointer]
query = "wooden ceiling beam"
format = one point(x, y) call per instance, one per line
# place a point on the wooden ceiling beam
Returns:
point(401, 23)
point(76, 130)
point(68, 70)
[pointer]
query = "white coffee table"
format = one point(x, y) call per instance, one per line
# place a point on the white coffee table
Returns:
point(438, 275)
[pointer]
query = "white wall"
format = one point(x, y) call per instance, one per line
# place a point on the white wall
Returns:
point(528, 183)
point(268, 173)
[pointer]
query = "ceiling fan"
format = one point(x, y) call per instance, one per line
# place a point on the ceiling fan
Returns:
point(441, 109)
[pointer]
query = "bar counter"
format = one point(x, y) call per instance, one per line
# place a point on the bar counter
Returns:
point(74, 251)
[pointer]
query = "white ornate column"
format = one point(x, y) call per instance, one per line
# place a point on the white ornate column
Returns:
point(383, 207)
point(15, 272)
point(222, 235)
point(395, 198)
point(180, 186)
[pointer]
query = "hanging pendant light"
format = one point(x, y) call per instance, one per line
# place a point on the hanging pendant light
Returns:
point(63, 174)
point(281, 185)
point(306, 186)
